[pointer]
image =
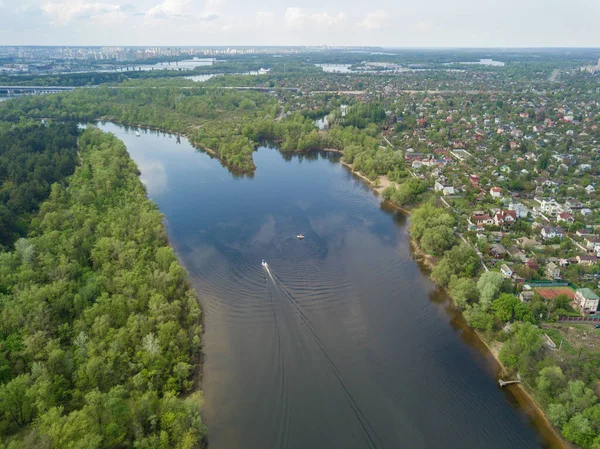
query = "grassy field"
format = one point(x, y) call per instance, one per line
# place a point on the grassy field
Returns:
point(575, 337)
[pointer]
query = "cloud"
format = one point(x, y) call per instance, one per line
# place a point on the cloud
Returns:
point(169, 9)
point(375, 20)
point(265, 18)
point(297, 19)
point(65, 12)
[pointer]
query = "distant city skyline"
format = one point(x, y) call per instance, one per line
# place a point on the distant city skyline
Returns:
point(389, 23)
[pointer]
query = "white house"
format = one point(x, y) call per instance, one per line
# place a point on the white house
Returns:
point(586, 300)
point(496, 192)
point(551, 232)
point(506, 271)
point(590, 189)
point(520, 209)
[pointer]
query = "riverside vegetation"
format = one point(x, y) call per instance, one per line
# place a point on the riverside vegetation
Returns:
point(100, 333)
point(564, 386)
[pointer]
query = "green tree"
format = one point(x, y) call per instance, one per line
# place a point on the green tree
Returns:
point(489, 285)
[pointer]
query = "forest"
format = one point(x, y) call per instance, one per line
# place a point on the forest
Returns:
point(228, 123)
point(100, 333)
point(33, 156)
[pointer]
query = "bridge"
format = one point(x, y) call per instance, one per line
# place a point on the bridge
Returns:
point(35, 89)
point(53, 89)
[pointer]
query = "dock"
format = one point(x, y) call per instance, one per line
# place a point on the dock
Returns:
point(504, 383)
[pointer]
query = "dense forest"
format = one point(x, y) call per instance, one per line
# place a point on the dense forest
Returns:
point(230, 124)
point(100, 333)
point(32, 157)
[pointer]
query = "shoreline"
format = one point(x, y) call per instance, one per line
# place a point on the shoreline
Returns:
point(526, 401)
point(518, 392)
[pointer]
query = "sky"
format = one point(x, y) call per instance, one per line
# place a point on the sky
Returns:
point(389, 23)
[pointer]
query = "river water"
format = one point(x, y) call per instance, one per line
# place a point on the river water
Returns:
point(344, 342)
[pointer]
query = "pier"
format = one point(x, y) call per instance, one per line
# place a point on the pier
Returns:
point(504, 383)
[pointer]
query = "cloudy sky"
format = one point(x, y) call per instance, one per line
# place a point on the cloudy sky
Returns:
point(394, 23)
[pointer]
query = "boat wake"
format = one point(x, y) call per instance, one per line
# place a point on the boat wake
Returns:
point(371, 438)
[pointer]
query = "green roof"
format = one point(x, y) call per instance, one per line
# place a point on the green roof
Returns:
point(587, 293)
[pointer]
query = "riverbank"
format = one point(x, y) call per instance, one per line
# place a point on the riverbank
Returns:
point(520, 393)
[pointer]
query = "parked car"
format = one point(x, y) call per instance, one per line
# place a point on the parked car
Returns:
point(596, 326)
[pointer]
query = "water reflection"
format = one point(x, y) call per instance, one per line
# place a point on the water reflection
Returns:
point(345, 342)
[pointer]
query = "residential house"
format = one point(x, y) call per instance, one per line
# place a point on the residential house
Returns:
point(498, 251)
point(572, 204)
point(521, 210)
point(496, 192)
point(592, 241)
point(506, 271)
point(552, 271)
point(505, 217)
point(565, 217)
point(526, 242)
point(550, 207)
point(479, 219)
point(590, 189)
point(526, 295)
point(474, 180)
point(517, 254)
point(551, 232)
point(587, 260)
point(586, 300)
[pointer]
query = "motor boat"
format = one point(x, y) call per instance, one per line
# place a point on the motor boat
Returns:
point(264, 263)
point(137, 133)
point(299, 236)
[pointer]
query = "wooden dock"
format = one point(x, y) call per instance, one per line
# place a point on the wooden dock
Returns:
point(504, 383)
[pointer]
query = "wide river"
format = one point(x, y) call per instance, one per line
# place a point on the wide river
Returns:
point(344, 342)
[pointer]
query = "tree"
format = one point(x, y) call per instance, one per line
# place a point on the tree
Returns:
point(438, 239)
point(579, 431)
point(428, 216)
point(549, 381)
point(504, 307)
point(460, 260)
point(557, 414)
point(479, 318)
point(16, 405)
point(462, 290)
point(489, 285)
point(522, 349)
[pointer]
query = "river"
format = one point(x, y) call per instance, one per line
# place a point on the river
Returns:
point(344, 342)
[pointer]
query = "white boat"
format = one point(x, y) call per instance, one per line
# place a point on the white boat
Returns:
point(137, 133)
point(265, 264)
point(300, 236)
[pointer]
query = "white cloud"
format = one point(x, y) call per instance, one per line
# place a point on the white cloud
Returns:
point(65, 12)
point(323, 19)
point(375, 20)
point(294, 18)
point(297, 19)
point(169, 9)
point(265, 18)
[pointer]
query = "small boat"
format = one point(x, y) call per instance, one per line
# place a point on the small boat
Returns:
point(264, 263)
point(137, 133)
point(299, 236)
